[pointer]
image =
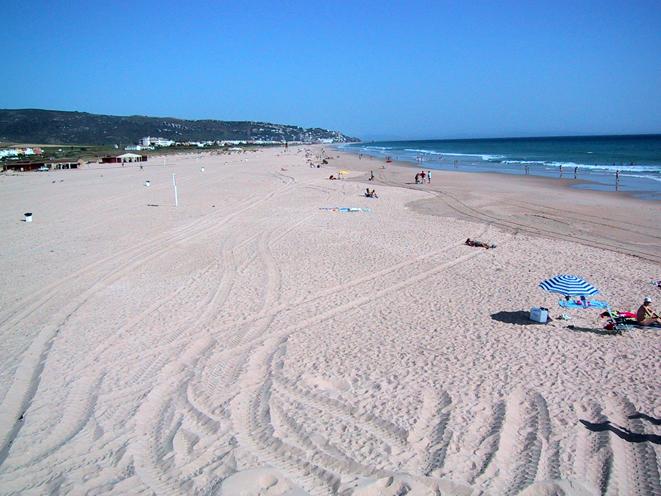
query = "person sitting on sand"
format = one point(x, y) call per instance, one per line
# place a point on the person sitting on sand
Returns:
point(370, 194)
point(331, 177)
point(646, 316)
point(479, 244)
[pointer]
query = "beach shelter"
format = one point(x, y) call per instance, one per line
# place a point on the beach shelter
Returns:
point(568, 285)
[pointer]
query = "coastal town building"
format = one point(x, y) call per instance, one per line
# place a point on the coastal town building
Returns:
point(22, 165)
point(42, 165)
point(15, 152)
point(137, 148)
point(123, 159)
point(63, 163)
point(151, 141)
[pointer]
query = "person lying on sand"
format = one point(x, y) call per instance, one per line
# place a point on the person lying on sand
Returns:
point(646, 316)
point(332, 177)
point(479, 244)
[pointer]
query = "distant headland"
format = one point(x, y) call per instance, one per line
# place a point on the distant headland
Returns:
point(64, 127)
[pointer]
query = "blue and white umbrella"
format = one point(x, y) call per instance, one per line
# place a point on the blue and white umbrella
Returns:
point(568, 285)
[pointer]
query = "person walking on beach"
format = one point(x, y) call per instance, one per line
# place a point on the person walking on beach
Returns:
point(417, 178)
point(428, 177)
point(371, 175)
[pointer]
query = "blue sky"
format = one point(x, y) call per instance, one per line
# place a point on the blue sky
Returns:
point(371, 69)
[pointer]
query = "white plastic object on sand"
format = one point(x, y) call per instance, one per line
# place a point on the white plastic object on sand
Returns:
point(538, 314)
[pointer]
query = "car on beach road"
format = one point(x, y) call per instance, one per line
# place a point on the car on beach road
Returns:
point(43, 168)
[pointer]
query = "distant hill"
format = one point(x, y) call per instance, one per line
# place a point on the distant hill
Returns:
point(61, 127)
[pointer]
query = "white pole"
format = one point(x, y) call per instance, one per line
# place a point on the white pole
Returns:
point(176, 197)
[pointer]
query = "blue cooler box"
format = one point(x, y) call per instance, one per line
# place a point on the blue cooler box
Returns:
point(539, 314)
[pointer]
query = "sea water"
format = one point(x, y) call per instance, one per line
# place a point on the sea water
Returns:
point(593, 160)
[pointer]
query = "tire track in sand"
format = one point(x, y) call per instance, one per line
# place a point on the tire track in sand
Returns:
point(251, 417)
point(20, 393)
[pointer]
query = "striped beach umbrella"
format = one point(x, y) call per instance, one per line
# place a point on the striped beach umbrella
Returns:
point(568, 285)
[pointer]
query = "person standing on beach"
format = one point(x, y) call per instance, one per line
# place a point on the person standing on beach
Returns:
point(428, 177)
point(422, 177)
point(417, 178)
point(617, 180)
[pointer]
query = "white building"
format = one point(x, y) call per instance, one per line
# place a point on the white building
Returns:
point(15, 152)
point(131, 157)
point(137, 148)
point(151, 141)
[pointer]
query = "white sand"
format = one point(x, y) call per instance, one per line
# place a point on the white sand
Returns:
point(247, 342)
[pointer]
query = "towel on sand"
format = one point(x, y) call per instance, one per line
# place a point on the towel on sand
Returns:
point(588, 304)
point(346, 209)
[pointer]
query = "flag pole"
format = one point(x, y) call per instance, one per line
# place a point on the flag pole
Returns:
point(176, 197)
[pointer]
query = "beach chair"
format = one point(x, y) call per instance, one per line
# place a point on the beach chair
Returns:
point(618, 322)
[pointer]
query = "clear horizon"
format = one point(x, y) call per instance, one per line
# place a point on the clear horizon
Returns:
point(371, 71)
point(379, 140)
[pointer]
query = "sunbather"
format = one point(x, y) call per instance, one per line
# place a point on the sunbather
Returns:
point(646, 316)
point(479, 244)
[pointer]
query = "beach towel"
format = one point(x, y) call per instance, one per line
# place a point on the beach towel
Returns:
point(346, 209)
point(588, 304)
point(626, 315)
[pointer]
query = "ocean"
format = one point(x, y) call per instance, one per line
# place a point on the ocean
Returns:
point(593, 160)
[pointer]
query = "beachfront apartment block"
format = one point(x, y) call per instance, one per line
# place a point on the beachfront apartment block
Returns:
point(151, 141)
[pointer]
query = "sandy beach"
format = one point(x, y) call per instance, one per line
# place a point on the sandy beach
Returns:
point(254, 341)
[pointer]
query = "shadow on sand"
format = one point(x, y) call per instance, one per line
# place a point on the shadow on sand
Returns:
point(600, 332)
point(519, 317)
point(621, 432)
point(642, 416)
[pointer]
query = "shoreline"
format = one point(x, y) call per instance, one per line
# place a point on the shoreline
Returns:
point(536, 205)
point(593, 183)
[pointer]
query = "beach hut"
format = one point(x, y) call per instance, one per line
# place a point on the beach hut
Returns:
point(63, 163)
point(21, 166)
point(124, 158)
point(131, 157)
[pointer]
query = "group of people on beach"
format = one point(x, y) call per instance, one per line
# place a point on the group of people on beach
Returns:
point(370, 193)
point(421, 176)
